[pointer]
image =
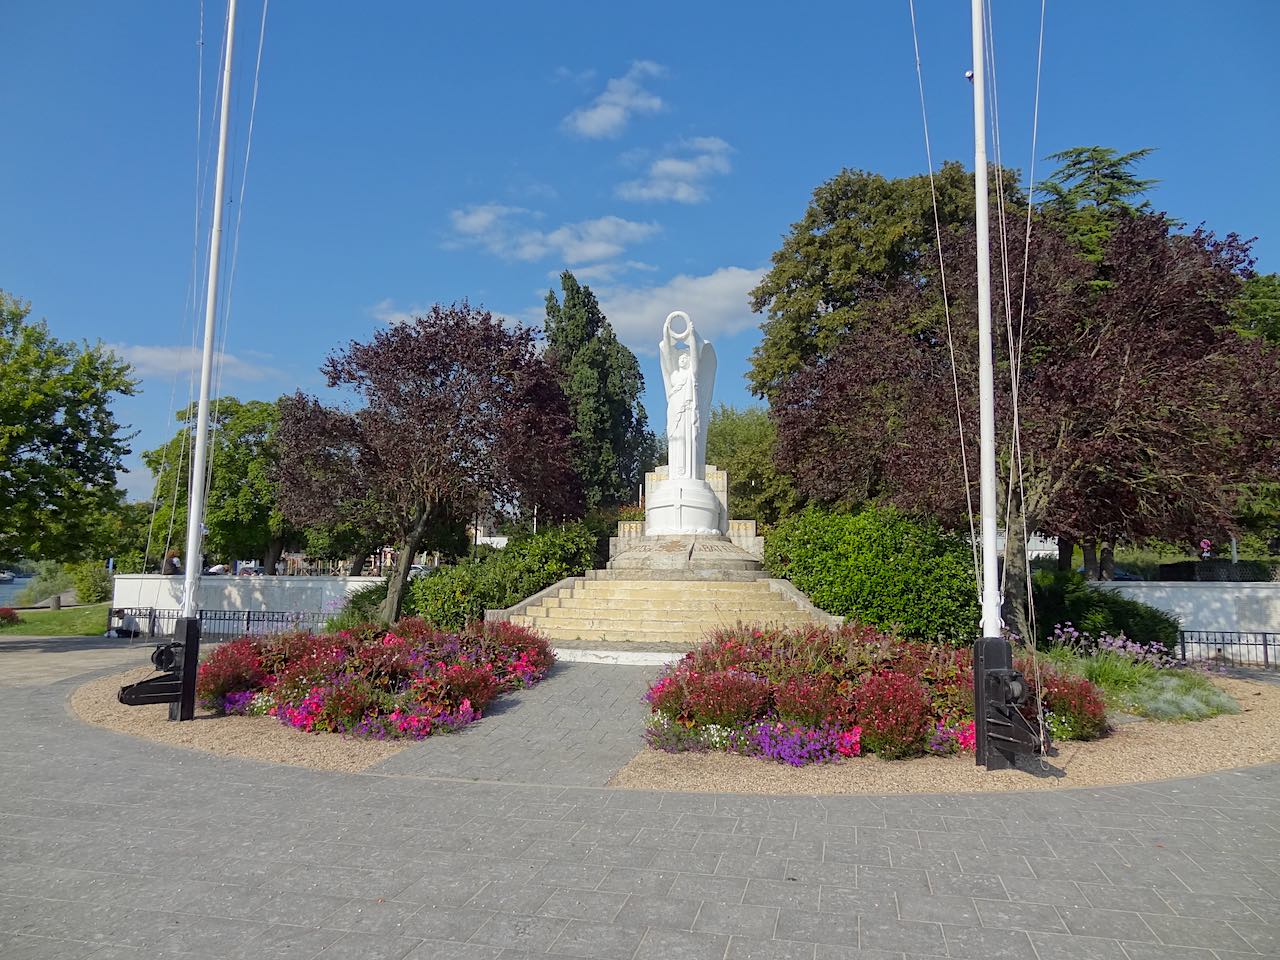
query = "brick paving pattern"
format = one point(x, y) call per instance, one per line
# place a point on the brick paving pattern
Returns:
point(112, 848)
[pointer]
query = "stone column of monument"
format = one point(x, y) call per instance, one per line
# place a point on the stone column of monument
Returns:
point(686, 522)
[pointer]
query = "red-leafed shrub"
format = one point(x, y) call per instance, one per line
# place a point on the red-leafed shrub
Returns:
point(893, 710)
point(232, 668)
point(520, 656)
point(347, 702)
point(385, 662)
point(461, 681)
point(726, 696)
point(810, 700)
point(316, 665)
point(1076, 706)
point(9, 617)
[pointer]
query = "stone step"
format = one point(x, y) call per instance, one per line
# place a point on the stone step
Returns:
point(626, 615)
point(661, 590)
point(596, 623)
point(587, 602)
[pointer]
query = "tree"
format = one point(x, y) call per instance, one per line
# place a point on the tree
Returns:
point(1257, 309)
point(1141, 410)
point(861, 235)
point(741, 442)
point(1093, 189)
point(454, 412)
point(241, 518)
point(60, 445)
point(613, 446)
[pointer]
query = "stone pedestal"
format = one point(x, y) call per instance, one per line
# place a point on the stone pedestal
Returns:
point(681, 552)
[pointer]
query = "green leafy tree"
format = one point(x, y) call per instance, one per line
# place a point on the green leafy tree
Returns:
point(1092, 190)
point(600, 376)
point(1257, 309)
point(861, 234)
point(241, 517)
point(742, 442)
point(60, 444)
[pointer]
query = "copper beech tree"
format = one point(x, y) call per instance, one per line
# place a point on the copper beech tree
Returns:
point(445, 414)
point(1142, 411)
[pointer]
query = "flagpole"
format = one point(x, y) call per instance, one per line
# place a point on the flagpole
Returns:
point(188, 628)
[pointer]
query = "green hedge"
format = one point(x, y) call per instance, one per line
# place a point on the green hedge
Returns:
point(461, 593)
point(1064, 596)
point(92, 581)
point(882, 568)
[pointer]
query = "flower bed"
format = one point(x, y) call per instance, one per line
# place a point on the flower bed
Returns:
point(406, 682)
point(816, 695)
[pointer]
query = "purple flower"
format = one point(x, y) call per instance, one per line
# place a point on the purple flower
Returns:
point(237, 702)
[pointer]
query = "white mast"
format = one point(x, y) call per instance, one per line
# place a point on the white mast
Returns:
point(986, 373)
point(195, 504)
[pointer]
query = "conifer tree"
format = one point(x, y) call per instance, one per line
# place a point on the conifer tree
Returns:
point(613, 446)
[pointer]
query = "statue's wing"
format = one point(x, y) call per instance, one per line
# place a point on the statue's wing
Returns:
point(665, 361)
point(706, 375)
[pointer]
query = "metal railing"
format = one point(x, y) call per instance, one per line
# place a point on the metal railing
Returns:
point(1230, 647)
point(216, 624)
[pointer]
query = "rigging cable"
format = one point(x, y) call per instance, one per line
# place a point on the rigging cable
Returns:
point(946, 306)
point(235, 251)
point(1016, 471)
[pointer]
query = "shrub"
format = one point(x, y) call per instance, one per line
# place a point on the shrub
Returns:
point(1075, 707)
point(1180, 695)
point(460, 594)
point(813, 701)
point(465, 682)
point(726, 697)
point(1064, 596)
point(92, 581)
point(234, 667)
point(362, 607)
point(9, 617)
point(881, 568)
point(893, 711)
point(51, 578)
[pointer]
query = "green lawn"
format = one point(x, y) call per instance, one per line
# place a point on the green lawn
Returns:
point(88, 621)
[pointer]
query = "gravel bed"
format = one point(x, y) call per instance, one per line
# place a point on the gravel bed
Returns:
point(1136, 752)
point(255, 738)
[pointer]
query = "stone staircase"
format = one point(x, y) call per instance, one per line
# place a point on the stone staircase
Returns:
point(671, 611)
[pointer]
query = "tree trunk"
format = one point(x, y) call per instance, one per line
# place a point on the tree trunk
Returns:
point(275, 547)
point(356, 562)
point(400, 575)
point(1107, 563)
point(1016, 589)
point(1066, 552)
point(1090, 548)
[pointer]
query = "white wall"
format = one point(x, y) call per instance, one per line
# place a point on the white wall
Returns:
point(1244, 607)
point(288, 594)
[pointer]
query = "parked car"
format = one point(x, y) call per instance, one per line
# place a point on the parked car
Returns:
point(252, 570)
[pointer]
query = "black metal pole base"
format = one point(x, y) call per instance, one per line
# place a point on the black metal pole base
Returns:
point(988, 654)
point(186, 632)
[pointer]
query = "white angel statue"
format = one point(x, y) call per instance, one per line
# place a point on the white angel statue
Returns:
point(689, 372)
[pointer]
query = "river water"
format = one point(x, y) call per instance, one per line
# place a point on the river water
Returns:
point(10, 590)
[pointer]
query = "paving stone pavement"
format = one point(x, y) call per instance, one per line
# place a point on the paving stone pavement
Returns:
point(114, 848)
point(575, 728)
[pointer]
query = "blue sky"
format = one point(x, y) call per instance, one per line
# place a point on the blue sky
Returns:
point(405, 153)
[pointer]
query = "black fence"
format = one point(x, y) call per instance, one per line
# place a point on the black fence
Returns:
point(1230, 647)
point(214, 624)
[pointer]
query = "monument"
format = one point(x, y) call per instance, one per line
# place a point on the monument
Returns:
point(686, 523)
point(683, 502)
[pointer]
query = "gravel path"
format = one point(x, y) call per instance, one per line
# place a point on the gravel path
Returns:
point(116, 847)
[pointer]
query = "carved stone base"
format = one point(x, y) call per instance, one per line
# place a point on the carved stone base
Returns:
point(682, 552)
point(683, 507)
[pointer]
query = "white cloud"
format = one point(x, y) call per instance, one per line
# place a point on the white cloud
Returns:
point(386, 311)
point(604, 272)
point(717, 303)
point(681, 174)
point(504, 232)
point(608, 114)
point(166, 361)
